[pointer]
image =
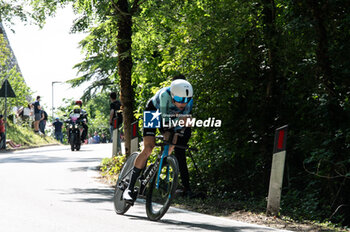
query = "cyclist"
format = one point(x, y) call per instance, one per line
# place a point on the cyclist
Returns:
point(174, 100)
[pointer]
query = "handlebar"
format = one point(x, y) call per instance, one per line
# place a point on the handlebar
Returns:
point(77, 121)
point(164, 142)
point(178, 146)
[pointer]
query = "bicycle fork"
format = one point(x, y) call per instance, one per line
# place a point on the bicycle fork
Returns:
point(164, 154)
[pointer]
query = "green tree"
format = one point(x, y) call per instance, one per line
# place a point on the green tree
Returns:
point(10, 72)
point(117, 16)
point(257, 66)
point(10, 10)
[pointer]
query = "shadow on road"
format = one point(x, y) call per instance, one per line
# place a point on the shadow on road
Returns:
point(79, 169)
point(180, 225)
point(46, 159)
point(49, 149)
point(102, 195)
point(89, 195)
point(29, 150)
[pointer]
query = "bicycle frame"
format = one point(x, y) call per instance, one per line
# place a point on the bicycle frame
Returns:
point(157, 165)
point(164, 154)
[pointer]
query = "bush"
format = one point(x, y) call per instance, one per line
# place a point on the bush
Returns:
point(110, 167)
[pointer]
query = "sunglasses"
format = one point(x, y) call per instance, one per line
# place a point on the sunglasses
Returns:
point(182, 99)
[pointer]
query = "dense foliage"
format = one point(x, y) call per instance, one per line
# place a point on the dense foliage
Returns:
point(256, 65)
point(111, 167)
point(10, 71)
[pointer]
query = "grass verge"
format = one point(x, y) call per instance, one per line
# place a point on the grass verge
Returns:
point(26, 137)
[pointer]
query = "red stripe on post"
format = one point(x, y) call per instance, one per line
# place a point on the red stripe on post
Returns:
point(115, 123)
point(280, 139)
point(134, 131)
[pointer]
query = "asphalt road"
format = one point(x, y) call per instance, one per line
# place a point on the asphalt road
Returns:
point(54, 189)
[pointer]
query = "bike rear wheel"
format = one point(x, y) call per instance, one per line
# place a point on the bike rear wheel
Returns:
point(120, 205)
point(158, 199)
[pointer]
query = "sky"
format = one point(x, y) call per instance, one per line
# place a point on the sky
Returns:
point(48, 55)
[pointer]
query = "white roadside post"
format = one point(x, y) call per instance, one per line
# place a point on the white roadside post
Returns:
point(134, 137)
point(277, 170)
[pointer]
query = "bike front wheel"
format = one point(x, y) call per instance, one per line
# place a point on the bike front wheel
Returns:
point(120, 205)
point(160, 192)
point(72, 139)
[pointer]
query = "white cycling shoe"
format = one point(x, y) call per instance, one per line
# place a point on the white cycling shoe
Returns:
point(127, 195)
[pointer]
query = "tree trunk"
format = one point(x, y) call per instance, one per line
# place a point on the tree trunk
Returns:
point(125, 64)
point(270, 40)
point(268, 112)
point(324, 70)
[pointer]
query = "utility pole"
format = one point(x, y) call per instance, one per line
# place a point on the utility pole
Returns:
point(52, 107)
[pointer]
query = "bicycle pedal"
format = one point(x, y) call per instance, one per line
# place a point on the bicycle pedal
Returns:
point(135, 192)
point(131, 203)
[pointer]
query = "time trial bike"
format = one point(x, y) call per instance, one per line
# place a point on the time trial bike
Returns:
point(157, 182)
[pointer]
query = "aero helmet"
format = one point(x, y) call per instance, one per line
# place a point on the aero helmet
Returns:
point(181, 91)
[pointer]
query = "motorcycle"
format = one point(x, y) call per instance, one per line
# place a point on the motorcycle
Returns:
point(75, 129)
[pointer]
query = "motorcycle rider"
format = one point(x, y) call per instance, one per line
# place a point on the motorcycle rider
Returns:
point(83, 115)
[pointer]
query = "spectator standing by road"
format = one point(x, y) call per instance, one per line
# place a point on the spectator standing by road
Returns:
point(103, 138)
point(24, 114)
point(58, 129)
point(96, 138)
point(90, 140)
point(37, 114)
point(43, 120)
point(2, 132)
point(115, 106)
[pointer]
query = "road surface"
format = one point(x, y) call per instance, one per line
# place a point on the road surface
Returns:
point(51, 189)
